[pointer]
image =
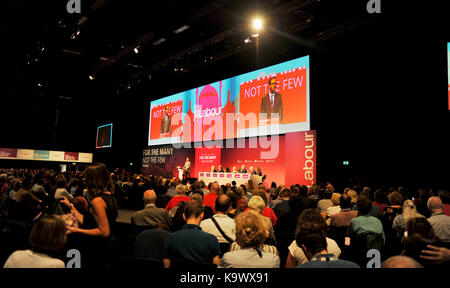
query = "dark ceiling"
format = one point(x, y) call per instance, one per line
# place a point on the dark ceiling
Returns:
point(47, 56)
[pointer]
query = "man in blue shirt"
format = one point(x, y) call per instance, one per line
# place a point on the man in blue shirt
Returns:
point(312, 240)
point(191, 244)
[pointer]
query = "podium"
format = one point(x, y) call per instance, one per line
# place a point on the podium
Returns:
point(180, 173)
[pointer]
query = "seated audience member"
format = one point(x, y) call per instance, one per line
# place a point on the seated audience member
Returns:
point(226, 224)
point(234, 198)
point(191, 244)
point(325, 201)
point(343, 218)
point(312, 239)
point(334, 208)
point(251, 232)
point(438, 220)
point(269, 213)
point(419, 234)
point(445, 198)
point(150, 243)
point(207, 211)
point(181, 196)
point(258, 205)
point(47, 239)
point(274, 192)
point(81, 204)
point(26, 207)
point(296, 254)
point(379, 201)
point(282, 206)
point(313, 194)
point(400, 262)
point(409, 211)
point(177, 218)
point(210, 199)
point(172, 191)
point(258, 171)
point(364, 222)
point(38, 190)
point(61, 184)
point(354, 197)
point(391, 211)
point(242, 204)
point(287, 223)
point(151, 215)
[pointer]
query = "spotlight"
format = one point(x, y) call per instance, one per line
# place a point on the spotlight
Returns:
point(257, 24)
point(91, 77)
point(39, 84)
point(247, 41)
point(136, 50)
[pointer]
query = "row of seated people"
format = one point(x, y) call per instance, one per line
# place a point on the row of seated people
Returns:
point(243, 169)
point(229, 241)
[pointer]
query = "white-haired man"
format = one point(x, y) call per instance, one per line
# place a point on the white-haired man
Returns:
point(438, 220)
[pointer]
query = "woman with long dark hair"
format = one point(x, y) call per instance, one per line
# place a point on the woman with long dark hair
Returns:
point(96, 225)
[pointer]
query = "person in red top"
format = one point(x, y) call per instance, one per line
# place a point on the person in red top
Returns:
point(445, 198)
point(267, 212)
point(379, 201)
point(181, 196)
point(210, 198)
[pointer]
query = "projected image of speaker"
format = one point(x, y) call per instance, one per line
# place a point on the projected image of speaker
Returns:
point(104, 136)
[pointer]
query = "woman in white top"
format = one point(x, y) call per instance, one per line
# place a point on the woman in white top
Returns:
point(296, 256)
point(47, 237)
point(251, 232)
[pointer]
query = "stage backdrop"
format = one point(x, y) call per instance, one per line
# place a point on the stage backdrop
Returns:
point(293, 162)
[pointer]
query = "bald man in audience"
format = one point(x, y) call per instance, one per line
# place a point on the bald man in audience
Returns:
point(438, 220)
point(400, 262)
point(151, 215)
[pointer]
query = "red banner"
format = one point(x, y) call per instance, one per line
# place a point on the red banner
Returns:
point(70, 156)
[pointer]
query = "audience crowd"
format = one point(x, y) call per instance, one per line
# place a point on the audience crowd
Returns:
point(45, 213)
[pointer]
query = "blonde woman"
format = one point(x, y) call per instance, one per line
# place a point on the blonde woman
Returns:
point(409, 211)
point(354, 195)
point(334, 208)
point(251, 232)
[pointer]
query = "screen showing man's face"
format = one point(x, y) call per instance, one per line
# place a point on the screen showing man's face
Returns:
point(273, 85)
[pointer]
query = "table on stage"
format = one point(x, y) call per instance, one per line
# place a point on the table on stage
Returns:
point(224, 178)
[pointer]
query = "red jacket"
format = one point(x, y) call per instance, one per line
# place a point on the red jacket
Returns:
point(175, 200)
point(210, 201)
point(268, 212)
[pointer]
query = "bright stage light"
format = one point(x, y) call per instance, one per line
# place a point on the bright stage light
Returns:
point(257, 24)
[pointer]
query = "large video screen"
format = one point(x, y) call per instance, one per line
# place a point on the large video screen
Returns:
point(104, 136)
point(269, 101)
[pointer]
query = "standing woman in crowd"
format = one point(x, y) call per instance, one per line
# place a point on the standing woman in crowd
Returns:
point(98, 223)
